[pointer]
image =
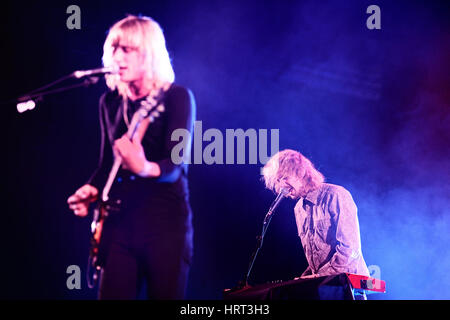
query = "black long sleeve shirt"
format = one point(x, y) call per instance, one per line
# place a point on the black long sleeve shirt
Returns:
point(149, 199)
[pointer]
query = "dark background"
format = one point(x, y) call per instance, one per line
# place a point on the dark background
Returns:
point(369, 107)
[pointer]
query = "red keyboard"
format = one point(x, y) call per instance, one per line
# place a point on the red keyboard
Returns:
point(365, 283)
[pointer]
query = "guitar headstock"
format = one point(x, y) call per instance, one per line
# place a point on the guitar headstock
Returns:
point(152, 107)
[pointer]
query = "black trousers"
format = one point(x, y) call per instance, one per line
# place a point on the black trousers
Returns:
point(150, 241)
point(163, 265)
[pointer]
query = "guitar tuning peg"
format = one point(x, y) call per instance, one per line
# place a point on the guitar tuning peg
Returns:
point(155, 114)
point(151, 118)
point(160, 108)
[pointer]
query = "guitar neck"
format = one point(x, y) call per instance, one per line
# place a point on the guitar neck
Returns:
point(112, 175)
point(117, 163)
point(136, 121)
point(132, 130)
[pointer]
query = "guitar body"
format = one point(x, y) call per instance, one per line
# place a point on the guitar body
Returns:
point(149, 110)
point(100, 239)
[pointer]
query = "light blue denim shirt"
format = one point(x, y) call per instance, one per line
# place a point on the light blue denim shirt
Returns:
point(328, 227)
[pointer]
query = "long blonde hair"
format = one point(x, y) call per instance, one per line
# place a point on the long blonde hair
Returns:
point(291, 163)
point(145, 34)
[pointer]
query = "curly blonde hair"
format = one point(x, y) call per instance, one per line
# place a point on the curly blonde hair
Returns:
point(291, 163)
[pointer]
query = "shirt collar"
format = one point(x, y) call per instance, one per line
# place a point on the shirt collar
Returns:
point(313, 195)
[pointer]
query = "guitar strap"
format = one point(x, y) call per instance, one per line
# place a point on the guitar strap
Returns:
point(111, 128)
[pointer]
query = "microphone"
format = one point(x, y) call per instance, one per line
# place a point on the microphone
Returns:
point(84, 73)
point(283, 192)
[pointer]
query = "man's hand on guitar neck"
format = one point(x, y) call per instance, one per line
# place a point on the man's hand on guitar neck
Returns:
point(80, 200)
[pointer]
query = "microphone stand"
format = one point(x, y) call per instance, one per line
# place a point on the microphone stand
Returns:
point(260, 239)
point(259, 243)
point(39, 93)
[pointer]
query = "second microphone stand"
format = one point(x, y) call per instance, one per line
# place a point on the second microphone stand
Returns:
point(260, 239)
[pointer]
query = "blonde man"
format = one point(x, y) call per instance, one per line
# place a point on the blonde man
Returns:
point(151, 236)
point(326, 215)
